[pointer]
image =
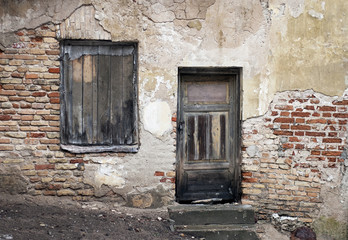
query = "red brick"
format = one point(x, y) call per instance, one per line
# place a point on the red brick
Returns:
point(299, 146)
point(331, 153)
point(340, 115)
point(343, 102)
point(315, 152)
point(313, 121)
point(326, 114)
point(300, 127)
point(31, 76)
point(78, 160)
point(332, 159)
point(36, 39)
point(316, 114)
point(44, 166)
point(294, 139)
point(284, 120)
point(309, 107)
point(159, 174)
point(342, 122)
point(332, 140)
point(287, 145)
point(5, 117)
point(274, 113)
point(285, 114)
point(300, 114)
point(285, 126)
point(37, 135)
point(39, 94)
point(315, 134)
point(247, 174)
point(54, 70)
point(54, 95)
point(327, 108)
point(250, 180)
point(286, 133)
point(315, 101)
point(331, 122)
point(54, 100)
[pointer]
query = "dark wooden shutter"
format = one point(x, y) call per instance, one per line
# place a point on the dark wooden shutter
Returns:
point(99, 95)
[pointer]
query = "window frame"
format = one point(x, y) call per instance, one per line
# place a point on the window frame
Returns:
point(96, 148)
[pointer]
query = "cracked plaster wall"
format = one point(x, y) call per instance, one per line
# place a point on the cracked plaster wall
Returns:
point(281, 45)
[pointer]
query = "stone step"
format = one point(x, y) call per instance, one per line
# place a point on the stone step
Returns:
point(223, 214)
point(220, 232)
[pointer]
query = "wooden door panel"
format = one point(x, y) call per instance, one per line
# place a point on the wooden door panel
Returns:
point(208, 136)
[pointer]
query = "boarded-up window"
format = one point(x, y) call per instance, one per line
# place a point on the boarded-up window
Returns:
point(99, 96)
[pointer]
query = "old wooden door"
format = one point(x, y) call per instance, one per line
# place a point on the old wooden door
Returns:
point(208, 135)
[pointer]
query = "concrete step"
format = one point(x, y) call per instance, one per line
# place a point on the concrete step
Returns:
point(220, 232)
point(224, 214)
point(214, 222)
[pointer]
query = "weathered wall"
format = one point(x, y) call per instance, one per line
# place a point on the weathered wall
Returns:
point(281, 45)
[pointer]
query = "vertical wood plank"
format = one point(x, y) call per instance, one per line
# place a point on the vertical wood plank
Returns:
point(76, 101)
point(95, 99)
point(104, 100)
point(222, 136)
point(202, 136)
point(88, 71)
point(128, 110)
point(190, 128)
point(215, 136)
point(116, 106)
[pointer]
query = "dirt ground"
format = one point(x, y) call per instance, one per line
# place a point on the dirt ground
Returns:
point(28, 217)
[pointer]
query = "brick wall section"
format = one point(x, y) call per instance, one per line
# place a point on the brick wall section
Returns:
point(29, 114)
point(289, 153)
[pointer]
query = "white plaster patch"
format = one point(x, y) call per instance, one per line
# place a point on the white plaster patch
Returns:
point(109, 175)
point(296, 8)
point(157, 118)
point(315, 14)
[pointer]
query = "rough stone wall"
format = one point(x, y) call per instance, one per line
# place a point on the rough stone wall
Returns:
point(281, 46)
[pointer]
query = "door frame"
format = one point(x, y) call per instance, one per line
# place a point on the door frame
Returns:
point(235, 152)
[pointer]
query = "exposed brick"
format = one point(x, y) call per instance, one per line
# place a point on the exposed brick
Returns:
point(284, 120)
point(285, 133)
point(300, 127)
point(326, 108)
point(54, 100)
point(316, 134)
point(37, 135)
point(54, 70)
point(314, 121)
point(300, 114)
point(332, 140)
point(343, 102)
point(159, 173)
point(331, 153)
point(31, 75)
point(44, 166)
point(340, 115)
